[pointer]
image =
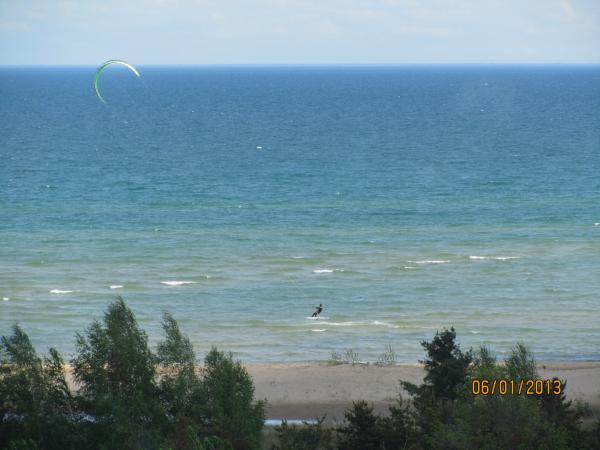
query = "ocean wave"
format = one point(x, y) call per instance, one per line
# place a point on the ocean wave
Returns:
point(327, 270)
point(177, 283)
point(384, 324)
point(351, 323)
point(5, 299)
point(115, 286)
point(431, 261)
point(60, 291)
point(318, 330)
point(497, 258)
point(340, 324)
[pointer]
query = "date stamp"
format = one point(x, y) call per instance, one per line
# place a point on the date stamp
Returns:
point(516, 387)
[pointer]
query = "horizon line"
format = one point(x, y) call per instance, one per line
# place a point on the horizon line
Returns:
point(341, 64)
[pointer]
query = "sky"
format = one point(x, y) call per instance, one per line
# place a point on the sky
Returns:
point(82, 32)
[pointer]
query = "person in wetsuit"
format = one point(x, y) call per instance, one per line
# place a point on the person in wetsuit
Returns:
point(318, 311)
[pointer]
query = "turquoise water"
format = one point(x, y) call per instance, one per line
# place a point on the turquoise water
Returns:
point(405, 199)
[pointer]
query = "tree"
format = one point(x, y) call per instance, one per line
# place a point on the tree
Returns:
point(445, 376)
point(36, 406)
point(446, 365)
point(228, 402)
point(308, 436)
point(116, 372)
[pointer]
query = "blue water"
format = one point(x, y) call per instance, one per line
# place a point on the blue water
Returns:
point(405, 199)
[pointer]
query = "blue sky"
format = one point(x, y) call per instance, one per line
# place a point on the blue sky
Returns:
point(299, 32)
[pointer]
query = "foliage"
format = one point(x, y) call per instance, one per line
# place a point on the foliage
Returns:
point(309, 436)
point(116, 372)
point(229, 410)
point(179, 382)
point(36, 406)
point(132, 398)
point(123, 401)
point(496, 423)
point(363, 430)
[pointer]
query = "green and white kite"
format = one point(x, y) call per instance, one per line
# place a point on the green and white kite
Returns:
point(103, 66)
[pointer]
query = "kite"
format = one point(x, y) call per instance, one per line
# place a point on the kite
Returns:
point(103, 66)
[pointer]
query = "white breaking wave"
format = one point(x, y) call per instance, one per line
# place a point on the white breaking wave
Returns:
point(319, 330)
point(385, 324)
point(60, 291)
point(340, 324)
point(432, 261)
point(5, 299)
point(327, 270)
point(498, 258)
point(177, 283)
point(351, 323)
point(596, 224)
point(115, 286)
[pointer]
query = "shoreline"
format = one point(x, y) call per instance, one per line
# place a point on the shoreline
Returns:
point(309, 390)
point(298, 391)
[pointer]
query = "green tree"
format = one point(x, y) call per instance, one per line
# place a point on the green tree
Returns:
point(116, 373)
point(36, 406)
point(361, 428)
point(176, 358)
point(229, 408)
point(308, 436)
point(445, 376)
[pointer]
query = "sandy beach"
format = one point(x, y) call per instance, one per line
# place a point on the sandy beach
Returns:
point(309, 390)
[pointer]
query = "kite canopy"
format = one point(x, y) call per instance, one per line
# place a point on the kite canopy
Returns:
point(103, 66)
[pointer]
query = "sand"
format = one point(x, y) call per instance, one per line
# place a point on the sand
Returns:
point(307, 391)
point(304, 391)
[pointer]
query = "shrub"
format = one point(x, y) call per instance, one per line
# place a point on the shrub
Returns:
point(364, 430)
point(361, 429)
point(388, 357)
point(496, 423)
point(520, 364)
point(309, 436)
point(350, 356)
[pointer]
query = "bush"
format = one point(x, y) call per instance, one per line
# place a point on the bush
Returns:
point(496, 423)
point(388, 357)
point(361, 429)
point(365, 430)
point(309, 436)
